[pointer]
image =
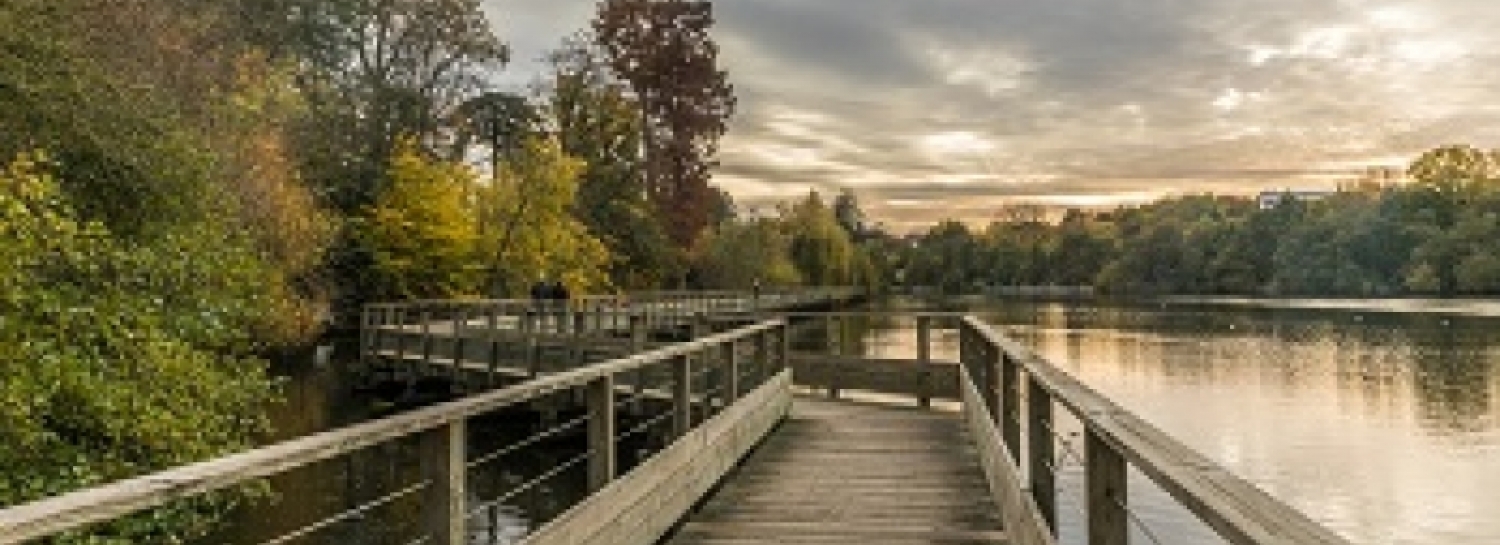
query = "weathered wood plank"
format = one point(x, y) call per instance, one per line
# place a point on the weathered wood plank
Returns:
point(844, 472)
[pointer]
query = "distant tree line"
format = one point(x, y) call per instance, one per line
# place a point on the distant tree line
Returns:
point(1435, 235)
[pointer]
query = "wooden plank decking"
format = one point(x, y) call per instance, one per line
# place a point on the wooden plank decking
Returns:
point(847, 472)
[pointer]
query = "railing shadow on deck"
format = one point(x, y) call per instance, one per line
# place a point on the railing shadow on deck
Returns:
point(722, 393)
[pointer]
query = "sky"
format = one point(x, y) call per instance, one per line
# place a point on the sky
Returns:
point(934, 109)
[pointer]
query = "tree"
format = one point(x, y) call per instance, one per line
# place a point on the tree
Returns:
point(850, 217)
point(821, 249)
point(663, 50)
point(738, 255)
point(532, 202)
point(598, 122)
point(420, 233)
point(103, 340)
point(391, 68)
point(501, 121)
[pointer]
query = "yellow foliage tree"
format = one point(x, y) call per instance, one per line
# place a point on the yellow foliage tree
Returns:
point(420, 233)
point(529, 230)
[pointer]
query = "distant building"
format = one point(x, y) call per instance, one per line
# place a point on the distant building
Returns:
point(1272, 199)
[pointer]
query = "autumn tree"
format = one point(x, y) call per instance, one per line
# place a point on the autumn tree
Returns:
point(534, 232)
point(662, 49)
point(420, 234)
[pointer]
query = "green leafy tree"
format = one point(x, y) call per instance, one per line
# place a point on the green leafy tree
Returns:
point(598, 122)
point(820, 247)
point(737, 255)
point(103, 338)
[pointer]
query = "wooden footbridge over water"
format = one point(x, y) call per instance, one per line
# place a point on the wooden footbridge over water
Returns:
point(735, 435)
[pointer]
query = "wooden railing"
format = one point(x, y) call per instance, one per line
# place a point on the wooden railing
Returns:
point(1009, 393)
point(714, 422)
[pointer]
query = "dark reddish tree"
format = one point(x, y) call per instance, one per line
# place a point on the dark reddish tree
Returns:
point(662, 49)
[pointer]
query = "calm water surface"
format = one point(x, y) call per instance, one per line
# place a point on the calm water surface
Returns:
point(1379, 421)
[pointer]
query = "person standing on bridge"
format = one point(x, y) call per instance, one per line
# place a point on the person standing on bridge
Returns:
point(541, 293)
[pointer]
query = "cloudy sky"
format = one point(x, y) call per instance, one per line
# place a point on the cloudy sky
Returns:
point(948, 108)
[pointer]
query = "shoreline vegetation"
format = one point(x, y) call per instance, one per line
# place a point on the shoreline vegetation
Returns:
point(1431, 236)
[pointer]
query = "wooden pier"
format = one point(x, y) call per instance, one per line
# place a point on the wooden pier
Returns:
point(743, 457)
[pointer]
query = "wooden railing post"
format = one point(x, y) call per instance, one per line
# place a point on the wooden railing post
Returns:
point(698, 328)
point(1010, 405)
point(682, 395)
point(731, 372)
point(492, 363)
point(1106, 492)
point(924, 359)
point(783, 348)
point(426, 343)
point(400, 331)
point(366, 334)
point(831, 325)
point(762, 357)
point(443, 467)
point(989, 371)
point(460, 323)
point(638, 345)
point(1039, 451)
point(575, 348)
point(601, 407)
point(534, 355)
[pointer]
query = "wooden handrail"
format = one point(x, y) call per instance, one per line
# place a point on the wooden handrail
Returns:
point(75, 510)
point(1237, 510)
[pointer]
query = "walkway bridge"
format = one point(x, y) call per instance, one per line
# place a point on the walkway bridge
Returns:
point(745, 440)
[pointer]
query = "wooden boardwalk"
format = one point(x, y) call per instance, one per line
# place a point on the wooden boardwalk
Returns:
point(846, 472)
point(794, 469)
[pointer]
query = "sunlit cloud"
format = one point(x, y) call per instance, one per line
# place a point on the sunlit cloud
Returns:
point(954, 107)
point(956, 143)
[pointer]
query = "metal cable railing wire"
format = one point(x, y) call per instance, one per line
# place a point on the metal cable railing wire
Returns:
point(643, 426)
point(529, 441)
point(348, 514)
point(528, 485)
